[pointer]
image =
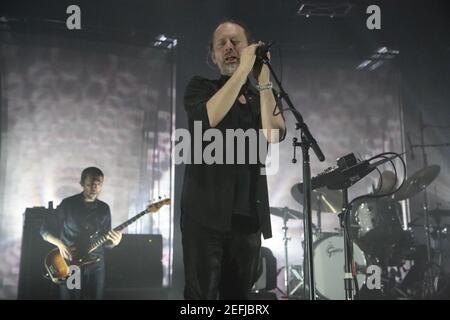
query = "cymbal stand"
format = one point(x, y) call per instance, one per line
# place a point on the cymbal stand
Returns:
point(429, 288)
point(286, 239)
point(319, 216)
point(287, 268)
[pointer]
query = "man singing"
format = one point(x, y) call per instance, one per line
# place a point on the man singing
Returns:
point(225, 207)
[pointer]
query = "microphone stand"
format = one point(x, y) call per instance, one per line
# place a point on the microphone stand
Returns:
point(348, 247)
point(307, 141)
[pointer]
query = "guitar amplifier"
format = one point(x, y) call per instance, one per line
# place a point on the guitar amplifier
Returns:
point(135, 263)
point(32, 284)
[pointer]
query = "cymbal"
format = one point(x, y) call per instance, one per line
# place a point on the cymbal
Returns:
point(417, 182)
point(330, 200)
point(286, 212)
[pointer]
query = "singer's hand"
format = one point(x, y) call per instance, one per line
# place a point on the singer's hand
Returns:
point(261, 71)
point(264, 73)
point(247, 59)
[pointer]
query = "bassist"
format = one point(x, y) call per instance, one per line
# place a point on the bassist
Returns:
point(76, 219)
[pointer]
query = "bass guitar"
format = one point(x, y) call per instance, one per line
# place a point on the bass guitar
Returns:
point(58, 268)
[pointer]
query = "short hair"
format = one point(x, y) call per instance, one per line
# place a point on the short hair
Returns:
point(247, 33)
point(91, 172)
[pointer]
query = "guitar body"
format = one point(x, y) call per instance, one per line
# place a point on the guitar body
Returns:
point(58, 268)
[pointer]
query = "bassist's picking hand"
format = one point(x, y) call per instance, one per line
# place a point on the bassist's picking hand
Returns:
point(65, 252)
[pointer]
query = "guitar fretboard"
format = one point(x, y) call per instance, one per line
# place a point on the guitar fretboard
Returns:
point(100, 241)
point(152, 208)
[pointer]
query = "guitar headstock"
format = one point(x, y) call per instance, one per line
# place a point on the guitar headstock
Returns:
point(155, 206)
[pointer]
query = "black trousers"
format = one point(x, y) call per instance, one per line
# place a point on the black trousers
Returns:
point(92, 284)
point(220, 265)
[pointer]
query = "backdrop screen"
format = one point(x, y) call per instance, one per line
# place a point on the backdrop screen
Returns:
point(69, 104)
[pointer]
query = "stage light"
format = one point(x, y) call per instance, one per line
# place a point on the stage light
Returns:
point(325, 8)
point(161, 41)
point(378, 58)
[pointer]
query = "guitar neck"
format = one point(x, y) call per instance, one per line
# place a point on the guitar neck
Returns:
point(100, 241)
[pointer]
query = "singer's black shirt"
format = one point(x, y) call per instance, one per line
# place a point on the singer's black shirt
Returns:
point(75, 220)
point(215, 194)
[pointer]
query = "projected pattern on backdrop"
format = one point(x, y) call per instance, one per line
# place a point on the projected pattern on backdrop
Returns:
point(347, 111)
point(90, 105)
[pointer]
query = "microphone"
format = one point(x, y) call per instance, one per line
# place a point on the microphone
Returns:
point(410, 146)
point(261, 51)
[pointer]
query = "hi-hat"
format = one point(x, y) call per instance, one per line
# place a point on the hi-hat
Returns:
point(417, 182)
point(329, 200)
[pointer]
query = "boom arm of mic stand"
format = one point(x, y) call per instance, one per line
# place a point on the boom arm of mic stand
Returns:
point(301, 124)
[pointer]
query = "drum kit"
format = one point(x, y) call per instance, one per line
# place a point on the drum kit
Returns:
point(379, 237)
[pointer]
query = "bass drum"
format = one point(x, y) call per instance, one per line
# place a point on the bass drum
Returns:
point(329, 267)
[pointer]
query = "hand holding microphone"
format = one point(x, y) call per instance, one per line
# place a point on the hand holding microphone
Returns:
point(262, 51)
point(252, 59)
point(260, 71)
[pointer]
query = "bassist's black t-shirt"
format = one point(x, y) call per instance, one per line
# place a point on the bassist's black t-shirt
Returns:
point(75, 220)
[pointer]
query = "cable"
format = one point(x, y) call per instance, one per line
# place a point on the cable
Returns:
point(395, 173)
point(376, 196)
point(278, 104)
point(381, 180)
point(281, 64)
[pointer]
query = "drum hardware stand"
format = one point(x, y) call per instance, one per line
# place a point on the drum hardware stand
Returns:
point(431, 279)
point(307, 142)
point(348, 172)
point(285, 240)
point(319, 216)
point(298, 276)
point(422, 146)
